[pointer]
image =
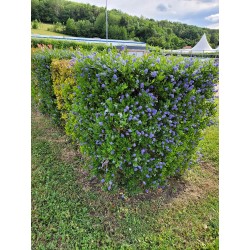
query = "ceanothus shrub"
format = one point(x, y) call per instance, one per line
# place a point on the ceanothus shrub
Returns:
point(140, 119)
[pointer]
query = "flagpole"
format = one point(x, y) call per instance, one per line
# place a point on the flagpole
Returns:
point(107, 19)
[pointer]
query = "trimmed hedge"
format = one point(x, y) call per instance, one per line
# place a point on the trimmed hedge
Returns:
point(42, 88)
point(63, 82)
point(62, 44)
point(138, 119)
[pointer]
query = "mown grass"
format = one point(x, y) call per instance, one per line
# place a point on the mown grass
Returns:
point(70, 211)
point(210, 145)
point(43, 30)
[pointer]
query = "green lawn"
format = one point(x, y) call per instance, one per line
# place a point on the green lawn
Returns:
point(210, 144)
point(43, 30)
point(69, 211)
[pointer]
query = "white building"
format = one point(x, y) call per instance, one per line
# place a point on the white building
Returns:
point(137, 48)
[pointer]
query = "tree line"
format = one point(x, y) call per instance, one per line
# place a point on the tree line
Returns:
point(85, 20)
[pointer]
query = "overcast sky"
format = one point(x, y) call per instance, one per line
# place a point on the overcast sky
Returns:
point(202, 13)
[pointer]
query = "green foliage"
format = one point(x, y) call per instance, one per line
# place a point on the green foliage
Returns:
point(140, 119)
point(35, 24)
point(136, 39)
point(41, 80)
point(63, 82)
point(123, 21)
point(209, 147)
point(71, 27)
point(84, 28)
point(100, 25)
point(147, 31)
point(57, 27)
point(157, 41)
point(116, 32)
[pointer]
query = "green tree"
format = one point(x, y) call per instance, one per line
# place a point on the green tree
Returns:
point(123, 21)
point(117, 32)
point(35, 24)
point(71, 27)
point(169, 31)
point(146, 32)
point(100, 24)
point(214, 39)
point(35, 6)
point(157, 41)
point(84, 28)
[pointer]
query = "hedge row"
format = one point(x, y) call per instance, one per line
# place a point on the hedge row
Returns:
point(62, 44)
point(43, 91)
point(139, 119)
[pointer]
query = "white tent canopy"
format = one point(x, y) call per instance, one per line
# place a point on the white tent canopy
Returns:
point(202, 45)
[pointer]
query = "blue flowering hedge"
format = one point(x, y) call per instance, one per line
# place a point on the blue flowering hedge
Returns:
point(140, 119)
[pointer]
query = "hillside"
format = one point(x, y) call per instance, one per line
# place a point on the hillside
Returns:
point(44, 29)
point(85, 20)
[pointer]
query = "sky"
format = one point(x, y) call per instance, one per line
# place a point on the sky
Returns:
point(202, 13)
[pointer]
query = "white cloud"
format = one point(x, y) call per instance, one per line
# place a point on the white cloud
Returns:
point(213, 26)
point(148, 8)
point(179, 9)
point(213, 18)
point(172, 10)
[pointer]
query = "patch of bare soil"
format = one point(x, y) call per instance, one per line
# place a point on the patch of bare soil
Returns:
point(69, 155)
point(199, 187)
point(178, 190)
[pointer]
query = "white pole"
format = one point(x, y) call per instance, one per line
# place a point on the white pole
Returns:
point(107, 19)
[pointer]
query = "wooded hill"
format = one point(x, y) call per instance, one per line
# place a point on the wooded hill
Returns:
point(85, 20)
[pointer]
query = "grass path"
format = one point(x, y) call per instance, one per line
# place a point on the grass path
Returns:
point(69, 211)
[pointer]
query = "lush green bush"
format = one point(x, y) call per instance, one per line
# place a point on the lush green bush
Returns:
point(57, 27)
point(140, 119)
point(42, 89)
point(35, 24)
point(62, 44)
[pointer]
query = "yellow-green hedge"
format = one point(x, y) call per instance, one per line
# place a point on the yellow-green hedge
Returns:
point(63, 82)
